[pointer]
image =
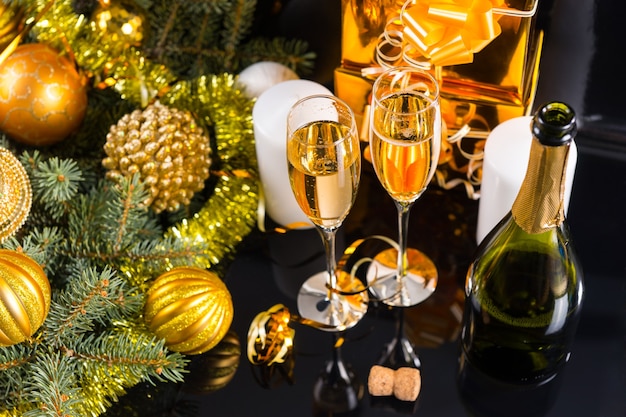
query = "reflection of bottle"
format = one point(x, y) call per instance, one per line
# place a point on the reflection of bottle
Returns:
point(524, 288)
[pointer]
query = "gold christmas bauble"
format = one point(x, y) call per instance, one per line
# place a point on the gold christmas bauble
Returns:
point(190, 308)
point(43, 98)
point(24, 297)
point(15, 194)
point(166, 147)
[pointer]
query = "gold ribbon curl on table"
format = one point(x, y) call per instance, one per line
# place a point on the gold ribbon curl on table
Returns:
point(270, 338)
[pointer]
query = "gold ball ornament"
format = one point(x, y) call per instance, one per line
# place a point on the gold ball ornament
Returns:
point(15, 194)
point(24, 297)
point(43, 98)
point(166, 147)
point(120, 22)
point(190, 308)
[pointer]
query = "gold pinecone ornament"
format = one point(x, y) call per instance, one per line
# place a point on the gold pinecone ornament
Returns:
point(166, 147)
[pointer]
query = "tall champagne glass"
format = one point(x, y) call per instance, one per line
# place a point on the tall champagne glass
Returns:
point(405, 140)
point(324, 165)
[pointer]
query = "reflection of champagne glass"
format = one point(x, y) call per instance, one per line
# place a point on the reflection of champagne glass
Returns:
point(405, 139)
point(324, 164)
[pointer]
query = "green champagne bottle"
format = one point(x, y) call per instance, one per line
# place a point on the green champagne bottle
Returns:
point(524, 288)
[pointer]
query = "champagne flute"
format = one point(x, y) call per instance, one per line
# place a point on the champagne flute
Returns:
point(405, 141)
point(324, 165)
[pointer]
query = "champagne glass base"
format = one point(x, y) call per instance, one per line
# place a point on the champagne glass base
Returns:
point(336, 311)
point(417, 285)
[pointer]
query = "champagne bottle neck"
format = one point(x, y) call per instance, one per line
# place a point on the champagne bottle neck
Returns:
point(539, 204)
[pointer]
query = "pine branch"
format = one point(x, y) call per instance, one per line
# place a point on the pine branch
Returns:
point(129, 356)
point(40, 245)
point(292, 53)
point(105, 223)
point(55, 182)
point(51, 387)
point(195, 38)
point(92, 299)
point(116, 361)
point(13, 360)
point(126, 215)
point(237, 25)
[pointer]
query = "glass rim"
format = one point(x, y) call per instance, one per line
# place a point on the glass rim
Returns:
point(352, 126)
point(432, 98)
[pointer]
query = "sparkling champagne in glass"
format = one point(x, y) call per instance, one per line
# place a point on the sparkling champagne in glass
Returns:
point(324, 165)
point(405, 141)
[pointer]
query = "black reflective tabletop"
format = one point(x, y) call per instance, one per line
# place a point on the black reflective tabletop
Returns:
point(271, 268)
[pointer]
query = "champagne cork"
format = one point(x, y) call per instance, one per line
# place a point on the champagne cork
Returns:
point(380, 381)
point(404, 383)
point(407, 384)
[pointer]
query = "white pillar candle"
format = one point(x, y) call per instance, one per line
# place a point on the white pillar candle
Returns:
point(507, 150)
point(269, 117)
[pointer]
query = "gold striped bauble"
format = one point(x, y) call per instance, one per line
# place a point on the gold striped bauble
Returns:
point(24, 297)
point(190, 308)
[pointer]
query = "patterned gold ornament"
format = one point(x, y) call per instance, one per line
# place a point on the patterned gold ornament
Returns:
point(43, 98)
point(120, 22)
point(190, 308)
point(166, 147)
point(15, 194)
point(24, 297)
point(214, 369)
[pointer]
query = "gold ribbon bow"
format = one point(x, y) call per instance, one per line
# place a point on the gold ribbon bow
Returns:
point(449, 32)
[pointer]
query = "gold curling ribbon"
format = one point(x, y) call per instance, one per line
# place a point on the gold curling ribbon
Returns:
point(270, 335)
point(270, 339)
point(449, 32)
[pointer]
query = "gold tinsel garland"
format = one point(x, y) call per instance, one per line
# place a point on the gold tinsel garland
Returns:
point(128, 70)
point(230, 214)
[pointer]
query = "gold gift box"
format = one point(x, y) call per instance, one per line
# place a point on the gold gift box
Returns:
point(498, 84)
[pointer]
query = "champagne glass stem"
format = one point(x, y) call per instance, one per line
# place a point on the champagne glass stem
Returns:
point(404, 210)
point(328, 237)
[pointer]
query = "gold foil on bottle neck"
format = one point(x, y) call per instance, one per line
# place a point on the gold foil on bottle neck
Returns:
point(539, 203)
